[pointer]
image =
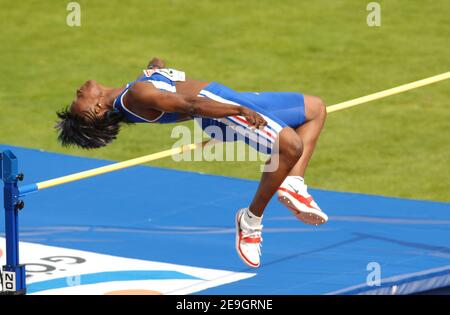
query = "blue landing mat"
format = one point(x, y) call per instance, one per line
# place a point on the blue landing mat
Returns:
point(187, 218)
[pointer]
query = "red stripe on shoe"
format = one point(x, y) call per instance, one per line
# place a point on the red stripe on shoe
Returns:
point(305, 201)
point(249, 239)
point(239, 246)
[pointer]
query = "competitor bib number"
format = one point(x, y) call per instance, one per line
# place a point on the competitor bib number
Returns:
point(171, 74)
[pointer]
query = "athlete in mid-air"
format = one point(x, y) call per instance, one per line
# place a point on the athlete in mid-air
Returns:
point(284, 124)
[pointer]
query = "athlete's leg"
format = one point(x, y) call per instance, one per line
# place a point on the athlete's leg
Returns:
point(284, 143)
point(286, 152)
point(315, 113)
point(293, 192)
point(305, 113)
point(289, 151)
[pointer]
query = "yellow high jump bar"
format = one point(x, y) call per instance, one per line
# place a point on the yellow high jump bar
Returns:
point(108, 168)
point(389, 92)
point(155, 156)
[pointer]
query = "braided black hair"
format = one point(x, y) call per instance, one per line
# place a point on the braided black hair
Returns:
point(88, 131)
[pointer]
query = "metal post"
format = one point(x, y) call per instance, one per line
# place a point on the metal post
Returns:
point(13, 273)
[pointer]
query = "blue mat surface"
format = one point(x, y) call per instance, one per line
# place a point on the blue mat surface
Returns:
point(188, 218)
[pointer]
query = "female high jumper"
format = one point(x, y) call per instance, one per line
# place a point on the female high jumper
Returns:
point(285, 124)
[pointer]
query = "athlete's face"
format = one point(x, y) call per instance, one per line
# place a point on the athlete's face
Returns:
point(88, 100)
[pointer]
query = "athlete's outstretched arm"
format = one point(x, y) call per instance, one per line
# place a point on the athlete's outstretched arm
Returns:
point(142, 94)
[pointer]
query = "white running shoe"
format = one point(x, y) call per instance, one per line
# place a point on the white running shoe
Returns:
point(293, 193)
point(248, 241)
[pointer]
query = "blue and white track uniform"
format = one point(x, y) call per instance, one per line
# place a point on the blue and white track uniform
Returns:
point(279, 109)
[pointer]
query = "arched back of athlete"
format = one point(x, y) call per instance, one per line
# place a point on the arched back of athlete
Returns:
point(285, 124)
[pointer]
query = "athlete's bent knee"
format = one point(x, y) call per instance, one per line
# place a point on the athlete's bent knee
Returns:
point(321, 108)
point(315, 108)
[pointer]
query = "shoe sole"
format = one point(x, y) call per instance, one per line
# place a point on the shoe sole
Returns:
point(247, 262)
point(303, 213)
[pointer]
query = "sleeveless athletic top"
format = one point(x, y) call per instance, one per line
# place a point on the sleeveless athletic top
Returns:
point(163, 79)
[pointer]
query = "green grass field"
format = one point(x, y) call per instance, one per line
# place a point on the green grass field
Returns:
point(398, 146)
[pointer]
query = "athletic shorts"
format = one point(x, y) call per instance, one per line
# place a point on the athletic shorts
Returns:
point(279, 109)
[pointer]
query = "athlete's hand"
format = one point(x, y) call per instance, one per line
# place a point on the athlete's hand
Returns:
point(253, 118)
point(156, 63)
